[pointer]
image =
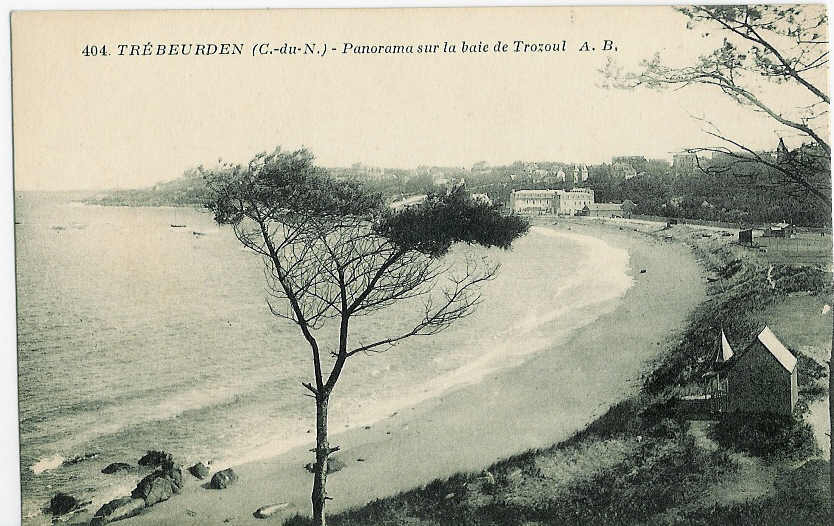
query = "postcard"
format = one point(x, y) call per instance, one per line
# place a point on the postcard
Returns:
point(429, 266)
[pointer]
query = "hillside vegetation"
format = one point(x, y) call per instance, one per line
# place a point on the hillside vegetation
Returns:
point(731, 197)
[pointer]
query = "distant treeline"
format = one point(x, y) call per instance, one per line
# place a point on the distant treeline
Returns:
point(750, 198)
point(188, 190)
point(727, 197)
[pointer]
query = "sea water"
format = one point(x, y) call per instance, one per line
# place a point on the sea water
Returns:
point(136, 335)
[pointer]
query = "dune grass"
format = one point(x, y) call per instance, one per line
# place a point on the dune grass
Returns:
point(800, 497)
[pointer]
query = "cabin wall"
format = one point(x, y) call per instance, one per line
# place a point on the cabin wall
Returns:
point(759, 383)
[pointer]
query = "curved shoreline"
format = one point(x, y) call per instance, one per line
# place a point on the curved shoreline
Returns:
point(485, 352)
point(544, 400)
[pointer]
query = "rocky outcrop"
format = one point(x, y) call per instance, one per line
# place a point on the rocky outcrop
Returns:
point(333, 465)
point(199, 470)
point(114, 510)
point(223, 479)
point(158, 490)
point(174, 474)
point(156, 458)
point(265, 512)
point(62, 503)
point(116, 467)
point(159, 486)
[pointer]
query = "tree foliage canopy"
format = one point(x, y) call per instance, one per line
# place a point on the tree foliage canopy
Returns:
point(285, 186)
point(444, 219)
point(333, 250)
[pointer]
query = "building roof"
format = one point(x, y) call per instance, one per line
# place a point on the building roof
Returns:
point(777, 349)
point(535, 193)
point(726, 352)
point(574, 191)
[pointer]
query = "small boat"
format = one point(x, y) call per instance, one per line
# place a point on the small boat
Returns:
point(177, 226)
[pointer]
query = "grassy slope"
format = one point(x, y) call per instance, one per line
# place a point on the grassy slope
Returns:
point(643, 462)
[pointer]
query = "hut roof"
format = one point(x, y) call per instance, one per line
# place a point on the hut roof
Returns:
point(777, 349)
point(727, 359)
point(726, 352)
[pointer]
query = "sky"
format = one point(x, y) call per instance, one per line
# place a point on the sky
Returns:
point(127, 122)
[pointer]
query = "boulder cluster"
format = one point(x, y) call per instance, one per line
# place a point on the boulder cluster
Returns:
point(165, 481)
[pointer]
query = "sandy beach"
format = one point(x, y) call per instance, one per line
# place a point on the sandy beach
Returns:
point(546, 399)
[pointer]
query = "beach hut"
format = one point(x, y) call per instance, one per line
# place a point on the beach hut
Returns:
point(762, 377)
point(748, 235)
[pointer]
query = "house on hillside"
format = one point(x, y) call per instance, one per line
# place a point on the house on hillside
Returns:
point(602, 210)
point(684, 163)
point(623, 171)
point(779, 230)
point(761, 378)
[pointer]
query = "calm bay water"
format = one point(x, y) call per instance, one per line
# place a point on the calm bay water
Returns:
point(134, 335)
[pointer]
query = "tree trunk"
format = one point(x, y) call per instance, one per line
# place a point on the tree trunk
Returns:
point(320, 469)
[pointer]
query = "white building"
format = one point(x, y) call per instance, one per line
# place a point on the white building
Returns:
point(535, 202)
point(481, 198)
point(580, 174)
point(561, 202)
point(572, 201)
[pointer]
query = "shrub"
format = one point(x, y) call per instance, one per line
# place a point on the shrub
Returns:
point(799, 279)
point(766, 435)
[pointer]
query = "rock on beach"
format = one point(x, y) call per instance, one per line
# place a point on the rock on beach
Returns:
point(199, 470)
point(116, 509)
point(116, 467)
point(223, 479)
point(265, 512)
point(62, 503)
point(156, 458)
point(159, 486)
